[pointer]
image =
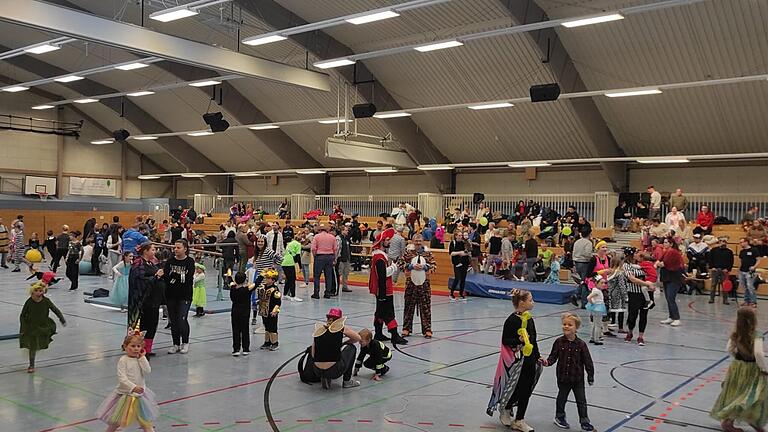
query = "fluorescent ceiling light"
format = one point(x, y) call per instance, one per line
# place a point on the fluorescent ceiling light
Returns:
point(373, 17)
point(15, 89)
point(634, 93)
point(68, 78)
point(85, 101)
point(386, 115)
point(42, 107)
point(256, 40)
point(172, 14)
point(200, 133)
point(528, 164)
point(145, 138)
point(42, 49)
point(193, 175)
point(434, 167)
point(381, 170)
point(334, 121)
point(205, 83)
point(661, 161)
point(311, 171)
point(141, 93)
point(148, 177)
point(593, 20)
point(103, 141)
point(246, 174)
point(333, 63)
point(264, 127)
point(438, 46)
point(490, 106)
point(132, 66)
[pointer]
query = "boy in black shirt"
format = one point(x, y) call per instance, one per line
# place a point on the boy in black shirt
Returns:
point(377, 353)
point(748, 256)
point(240, 294)
point(74, 255)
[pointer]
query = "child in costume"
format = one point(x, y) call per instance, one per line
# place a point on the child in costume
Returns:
point(36, 329)
point(596, 309)
point(199, 296)
point(131, 402)
point(554, 271)
point(377, 354)
point(270, 300)
point(74, 255)
point(49, 277)
point(572, 357)
point(520, 364)
point(744, 394)
point(121, 271)
point(240, 294)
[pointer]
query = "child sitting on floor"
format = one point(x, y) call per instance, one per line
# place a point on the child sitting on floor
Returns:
point(377, 353)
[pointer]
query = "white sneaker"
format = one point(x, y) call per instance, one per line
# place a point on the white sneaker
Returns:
point(522, 426)
point(289, 298)
point(235, 353)
point(675, 323)
point(613, 325)
point(298, 299)
point(505, 418)
point(173, 350)
point(258, 330)
point(666, 321)
point(184, 348)
point(245, 353)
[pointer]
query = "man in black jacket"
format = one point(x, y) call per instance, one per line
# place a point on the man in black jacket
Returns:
point(720, 264)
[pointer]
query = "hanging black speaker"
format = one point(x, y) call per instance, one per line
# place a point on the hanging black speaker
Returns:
point(477, 197)
point(545, 92)
point(216, 121)
point(364, 110)
point(120, 135)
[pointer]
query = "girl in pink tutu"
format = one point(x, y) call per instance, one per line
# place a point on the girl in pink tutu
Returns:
point(131, 402)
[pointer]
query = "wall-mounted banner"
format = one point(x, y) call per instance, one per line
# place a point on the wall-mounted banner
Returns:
point(92, 186)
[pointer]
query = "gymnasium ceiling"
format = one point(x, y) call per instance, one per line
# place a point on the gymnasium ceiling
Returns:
point(708, 40)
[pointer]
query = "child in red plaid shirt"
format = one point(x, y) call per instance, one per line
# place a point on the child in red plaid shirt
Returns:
point(572, 357)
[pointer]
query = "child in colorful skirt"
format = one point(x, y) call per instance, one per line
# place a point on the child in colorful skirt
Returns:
point(199, 296)
point(131, 402)
point(37, 329)
point(744, 394)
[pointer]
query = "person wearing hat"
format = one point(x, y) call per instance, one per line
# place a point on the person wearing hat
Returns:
point(697, 253)
point(324, 248)
point(330, 360)
point(270, 301)
point(720, 262)
point(417, 263)
point(380, 285)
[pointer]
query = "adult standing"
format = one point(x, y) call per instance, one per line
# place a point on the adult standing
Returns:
point(276, 243)
point(17, 238)
point(531, 256)
point(331, 357)
point(380, 284)
point(179, 277)
point(62, 247)
point(343, 259)
point(306, 253)
point(672, 276)
point(418, 263)
point(654, 209)
point(243, 243)
point(459, 251)
point(89, 228)
point(679, 201)
point(145, 294)
point(4, 243)
point(720, 262)
point(747, 264)
point(636, 301)
point(582, 254)
point(114, 246)
point(291, 257)
point(396, 250)
point(324, 249)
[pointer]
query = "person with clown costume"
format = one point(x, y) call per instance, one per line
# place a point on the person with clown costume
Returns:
point(380, 285)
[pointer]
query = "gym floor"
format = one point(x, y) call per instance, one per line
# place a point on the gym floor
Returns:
point(434, 385)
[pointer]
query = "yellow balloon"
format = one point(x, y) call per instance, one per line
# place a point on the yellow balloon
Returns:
point(483, 221)
point(33, 256)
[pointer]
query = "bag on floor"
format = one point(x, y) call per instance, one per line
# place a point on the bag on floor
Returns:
point(101, 292)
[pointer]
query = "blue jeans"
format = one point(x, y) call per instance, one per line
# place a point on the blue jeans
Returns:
point(305, 273)
point(623, 222)
point(670, 293)
point(324, 265)
point(747, 281)
point(581, 270)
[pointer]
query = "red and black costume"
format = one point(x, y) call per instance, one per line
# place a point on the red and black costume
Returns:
point(380, 285)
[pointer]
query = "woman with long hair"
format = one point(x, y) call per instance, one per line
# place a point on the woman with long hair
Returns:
point(179, 278)
point(262, 259)
point(460, 252)
point(672, 276)
point(144, 291)
point(636, 303)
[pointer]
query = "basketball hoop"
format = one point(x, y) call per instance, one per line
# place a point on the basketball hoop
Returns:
point(43, 195)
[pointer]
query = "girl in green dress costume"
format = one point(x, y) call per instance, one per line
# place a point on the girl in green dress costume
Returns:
point(37, 328)
point(199, 296)
point(744, 394)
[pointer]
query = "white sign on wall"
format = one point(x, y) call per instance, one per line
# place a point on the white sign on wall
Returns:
point(92, 186)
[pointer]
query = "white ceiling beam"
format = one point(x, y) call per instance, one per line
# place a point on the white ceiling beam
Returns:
point(69, 22)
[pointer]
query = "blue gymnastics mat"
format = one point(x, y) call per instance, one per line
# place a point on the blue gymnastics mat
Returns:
point(488, 286)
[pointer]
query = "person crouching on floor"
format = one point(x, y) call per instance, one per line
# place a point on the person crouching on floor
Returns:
point(378, 354)
point(270, 300)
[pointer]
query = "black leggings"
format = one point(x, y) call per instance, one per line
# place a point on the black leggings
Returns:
point(149, 318)
point(290, 281)
point(636, 306)
point(459, 278)
point(524, 389)
point(612, 316)
point(73, 273)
